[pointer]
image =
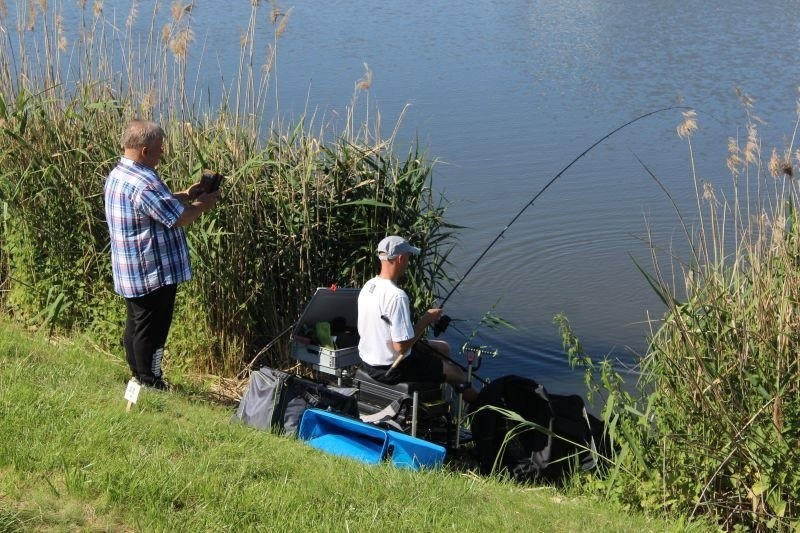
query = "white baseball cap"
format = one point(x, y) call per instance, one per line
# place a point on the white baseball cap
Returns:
point(392, 246)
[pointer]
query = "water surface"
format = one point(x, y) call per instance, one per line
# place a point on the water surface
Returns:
point(504, 94)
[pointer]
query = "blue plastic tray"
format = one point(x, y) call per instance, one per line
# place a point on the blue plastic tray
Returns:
point(347, 437)
point(343, 436)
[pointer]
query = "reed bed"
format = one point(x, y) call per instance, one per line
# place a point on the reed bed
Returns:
point(713, 432)
point(303, 206)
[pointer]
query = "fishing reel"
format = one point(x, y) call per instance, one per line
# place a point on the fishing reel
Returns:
point(441, 326)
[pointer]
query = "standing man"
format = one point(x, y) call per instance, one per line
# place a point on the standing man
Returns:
point(149, 251)
point(389, 346)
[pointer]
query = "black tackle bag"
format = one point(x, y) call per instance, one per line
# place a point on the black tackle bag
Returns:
point(533, 454)
point(275, 400)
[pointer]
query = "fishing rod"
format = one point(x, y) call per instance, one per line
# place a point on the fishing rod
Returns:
point(440, 326)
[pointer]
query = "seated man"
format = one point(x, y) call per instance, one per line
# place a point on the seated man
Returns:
point(390, 347)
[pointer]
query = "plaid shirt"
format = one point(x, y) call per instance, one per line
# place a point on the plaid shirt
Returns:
point(147, 250)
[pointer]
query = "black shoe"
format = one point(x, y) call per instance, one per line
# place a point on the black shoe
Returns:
point(160, 384)
point(155, 383)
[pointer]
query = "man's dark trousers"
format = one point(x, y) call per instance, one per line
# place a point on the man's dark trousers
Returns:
point(146, 329)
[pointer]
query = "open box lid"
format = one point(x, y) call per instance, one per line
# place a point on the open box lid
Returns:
point(327, 304)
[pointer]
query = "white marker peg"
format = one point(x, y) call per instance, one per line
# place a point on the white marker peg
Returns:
point(132, 392)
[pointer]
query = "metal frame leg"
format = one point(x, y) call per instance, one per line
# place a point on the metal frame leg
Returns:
point(414, 411)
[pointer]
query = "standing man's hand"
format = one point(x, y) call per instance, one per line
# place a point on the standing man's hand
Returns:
point(191, 212)
point(195, 191)
point(206, 200)
point(191, 194)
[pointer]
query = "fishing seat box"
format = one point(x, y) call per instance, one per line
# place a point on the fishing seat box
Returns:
point(326, 305)
point(374, 395)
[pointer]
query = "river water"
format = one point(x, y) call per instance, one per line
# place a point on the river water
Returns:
point(504, 94)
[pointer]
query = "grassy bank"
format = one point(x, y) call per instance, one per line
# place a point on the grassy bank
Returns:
point(72, 458)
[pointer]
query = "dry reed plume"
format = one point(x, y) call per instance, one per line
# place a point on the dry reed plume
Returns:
point(132, 15)
point(365, 82)
point(180, 43)
point(284, 21)
point(689, 124)
point(179, 9)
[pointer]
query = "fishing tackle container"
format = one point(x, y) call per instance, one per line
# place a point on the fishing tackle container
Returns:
point(326, 336)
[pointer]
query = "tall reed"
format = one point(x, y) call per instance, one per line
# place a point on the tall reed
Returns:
point(714, 432)
point(300, 210)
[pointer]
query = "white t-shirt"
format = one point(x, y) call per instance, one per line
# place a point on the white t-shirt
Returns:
point(384, 316)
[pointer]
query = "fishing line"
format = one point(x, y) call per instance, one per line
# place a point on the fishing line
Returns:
point(445, 319)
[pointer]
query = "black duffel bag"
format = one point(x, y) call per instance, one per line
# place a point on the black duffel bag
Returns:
point(564, 434)
point(275, 400)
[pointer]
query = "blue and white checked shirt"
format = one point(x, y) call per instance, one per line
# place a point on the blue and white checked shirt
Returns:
point(147, 250)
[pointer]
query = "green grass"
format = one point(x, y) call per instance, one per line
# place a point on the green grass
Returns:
point(72, 458)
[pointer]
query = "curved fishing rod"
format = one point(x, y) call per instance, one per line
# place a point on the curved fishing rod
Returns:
point(446, 320)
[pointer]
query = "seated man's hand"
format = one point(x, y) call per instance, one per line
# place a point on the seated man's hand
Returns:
point(432, 316)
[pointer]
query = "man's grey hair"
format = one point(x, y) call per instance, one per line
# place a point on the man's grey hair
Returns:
point(141, 133)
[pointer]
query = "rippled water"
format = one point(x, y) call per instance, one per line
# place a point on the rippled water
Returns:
point(506, 93)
